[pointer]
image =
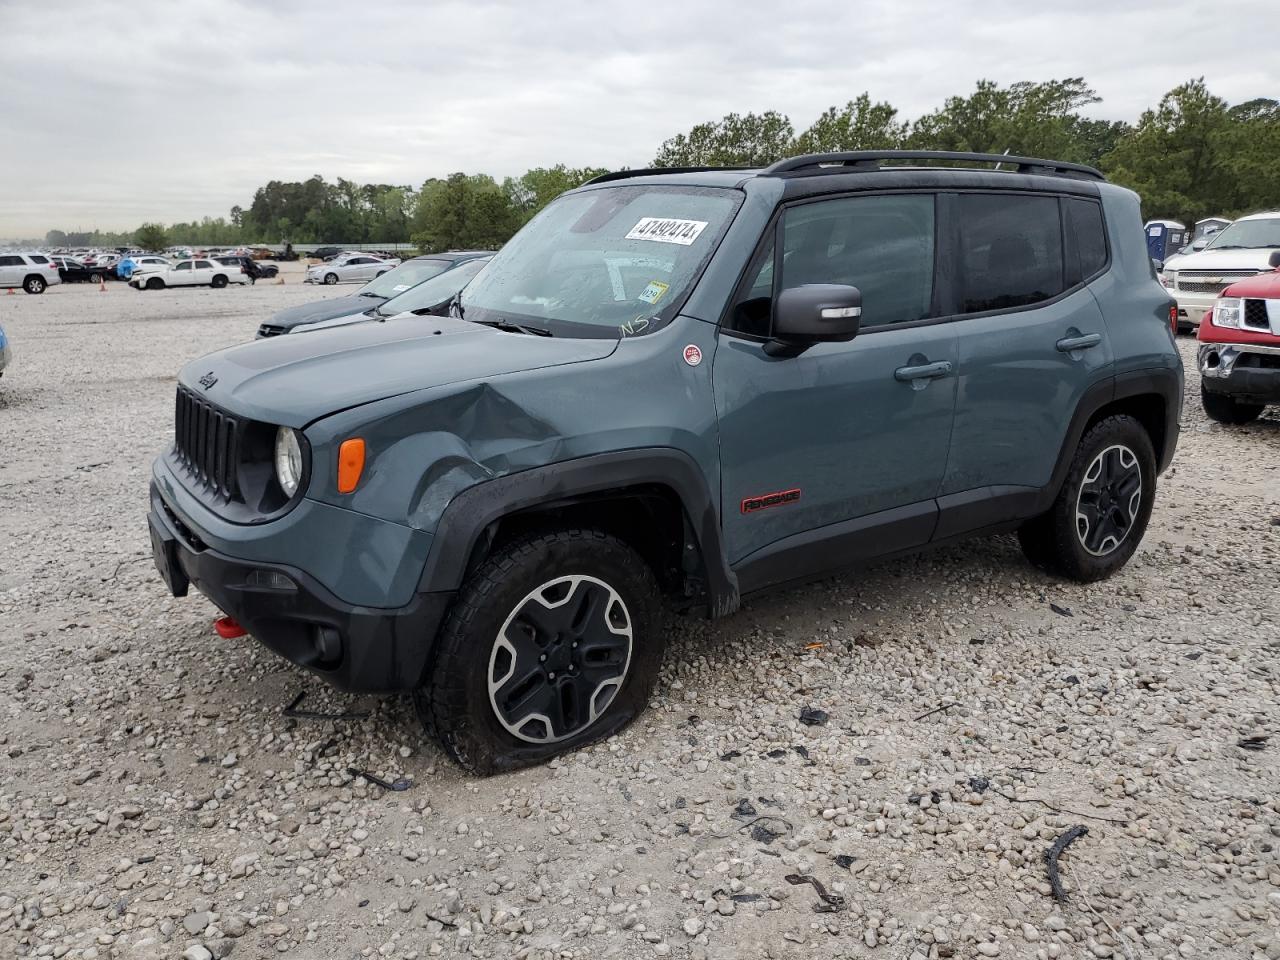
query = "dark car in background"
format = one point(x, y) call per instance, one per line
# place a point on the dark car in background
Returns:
point(392, 283)
point(256, 269)
point(72, 270)
point(431, 298)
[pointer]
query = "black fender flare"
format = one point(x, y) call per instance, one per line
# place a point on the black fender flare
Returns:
point(1164, 382)
point(473, 510)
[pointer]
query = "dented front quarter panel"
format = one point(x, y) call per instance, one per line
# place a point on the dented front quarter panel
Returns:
point(426, 447)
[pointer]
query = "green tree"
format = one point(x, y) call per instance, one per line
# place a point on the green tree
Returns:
point(734, 140)
point(535, 188)
point(1028, 119)
point(1178, 157)
point(151, 236)
point(859, 125)
point(55, 238)
point(463, 212)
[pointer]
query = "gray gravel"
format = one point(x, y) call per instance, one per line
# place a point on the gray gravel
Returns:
point(155, 803)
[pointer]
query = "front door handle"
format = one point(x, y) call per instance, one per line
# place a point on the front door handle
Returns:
point(924, 371)
point(1067, 344)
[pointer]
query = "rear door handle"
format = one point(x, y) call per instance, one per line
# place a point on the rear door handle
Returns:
point(1067, 344)
point(925, 371)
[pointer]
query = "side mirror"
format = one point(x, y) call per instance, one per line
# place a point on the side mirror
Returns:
point(1273, 261)
point(814, 313)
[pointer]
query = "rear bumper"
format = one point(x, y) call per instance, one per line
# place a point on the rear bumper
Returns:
point(354, 648)
point(1248, 372)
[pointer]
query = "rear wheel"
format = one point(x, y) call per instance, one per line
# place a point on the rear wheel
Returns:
point(1228, 410)
point(330, 279)
point(34, 285)
point(218, 282)
point(1102, 510)
point(95, 278)
point(553, 643)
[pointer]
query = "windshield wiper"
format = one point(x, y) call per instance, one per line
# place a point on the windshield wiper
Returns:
point(509, 327)
point(368, 294)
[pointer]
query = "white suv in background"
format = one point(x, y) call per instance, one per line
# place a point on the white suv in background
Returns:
point(1241, 249)
point(33, 272)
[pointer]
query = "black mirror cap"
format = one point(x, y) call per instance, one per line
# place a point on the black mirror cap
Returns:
point(817, 312)
point(1274, 260)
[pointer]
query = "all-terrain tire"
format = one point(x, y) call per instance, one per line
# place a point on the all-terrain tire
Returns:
point(1225, 409)
point(1055, 541)
point(454, 703)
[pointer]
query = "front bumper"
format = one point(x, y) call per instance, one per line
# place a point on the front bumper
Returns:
point(355, 648)
point(1245, 371)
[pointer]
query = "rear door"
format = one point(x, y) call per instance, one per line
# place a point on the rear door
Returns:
point(1031, 342)
point(11, 270)
point(202, 272)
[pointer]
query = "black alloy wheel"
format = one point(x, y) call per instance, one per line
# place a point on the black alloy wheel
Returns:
point(1109, 500)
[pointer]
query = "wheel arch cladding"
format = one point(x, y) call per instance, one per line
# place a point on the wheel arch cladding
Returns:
point(601, 489)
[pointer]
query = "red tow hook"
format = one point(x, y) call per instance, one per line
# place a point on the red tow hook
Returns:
point(228, 629)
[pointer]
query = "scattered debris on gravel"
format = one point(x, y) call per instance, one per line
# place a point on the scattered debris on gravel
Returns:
point(157, 799)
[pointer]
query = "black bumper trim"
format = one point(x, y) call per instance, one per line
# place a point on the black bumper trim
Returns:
point(379, 650)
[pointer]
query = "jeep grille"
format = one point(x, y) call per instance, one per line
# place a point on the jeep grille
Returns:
point(207, 443)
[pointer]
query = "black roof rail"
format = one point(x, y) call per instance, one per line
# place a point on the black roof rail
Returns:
point(657, 171)
point(871, 160)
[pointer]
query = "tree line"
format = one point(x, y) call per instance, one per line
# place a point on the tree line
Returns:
point(1191, 156)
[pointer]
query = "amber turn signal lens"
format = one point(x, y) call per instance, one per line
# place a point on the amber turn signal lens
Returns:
point(350, 464)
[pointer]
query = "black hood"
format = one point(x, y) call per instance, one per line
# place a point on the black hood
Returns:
point(324, 310)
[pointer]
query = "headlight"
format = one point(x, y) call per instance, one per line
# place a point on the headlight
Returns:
point(288, 460)
point(1169, 278)
point(1227, 312)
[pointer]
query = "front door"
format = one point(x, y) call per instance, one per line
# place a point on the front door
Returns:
point(844, 431)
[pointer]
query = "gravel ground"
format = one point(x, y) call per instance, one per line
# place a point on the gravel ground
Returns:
point(155, 802)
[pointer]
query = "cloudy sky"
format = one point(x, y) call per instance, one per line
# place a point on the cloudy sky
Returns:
point(117, 113)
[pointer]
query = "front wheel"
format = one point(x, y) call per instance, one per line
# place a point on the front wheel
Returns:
point(1102, 510)
point(34, 285)
point(1225, 409)
point(155, 283)
point(553, 643)
point(330, 279)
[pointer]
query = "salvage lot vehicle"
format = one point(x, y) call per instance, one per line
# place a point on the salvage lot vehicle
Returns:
point(1242, 249)
point(349, 267)
point(188, 273)
point(680, 386)
point(1239, 353)
point(392, 283)
point(72, 270)
point(429, 298)
point(33, 272)
point(254, 269)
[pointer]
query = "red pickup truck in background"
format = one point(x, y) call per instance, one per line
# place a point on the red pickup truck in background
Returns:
point(1239, 354)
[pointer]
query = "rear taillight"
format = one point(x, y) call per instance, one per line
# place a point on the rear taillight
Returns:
point(1173, 318)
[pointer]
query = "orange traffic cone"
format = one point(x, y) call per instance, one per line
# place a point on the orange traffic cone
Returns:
point(11, 291)
point(102, 285)
point(280, 281)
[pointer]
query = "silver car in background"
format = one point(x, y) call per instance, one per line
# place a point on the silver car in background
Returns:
point(33, 272)
point(349, 268)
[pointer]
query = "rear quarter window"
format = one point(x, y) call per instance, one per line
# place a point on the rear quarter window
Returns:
point(1086, 238)
point(38, 259)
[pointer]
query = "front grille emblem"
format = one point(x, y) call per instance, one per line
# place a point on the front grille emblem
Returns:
point(208, 380)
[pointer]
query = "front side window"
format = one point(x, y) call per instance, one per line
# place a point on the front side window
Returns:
point(1010, 251)
point(184, 265)
point(614, 261)
point(883, 245)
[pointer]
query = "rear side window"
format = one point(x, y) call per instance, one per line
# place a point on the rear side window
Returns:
point(1010, 251)
point(1086, 239)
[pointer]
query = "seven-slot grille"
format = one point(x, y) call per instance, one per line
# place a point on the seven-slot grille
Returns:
point(207, 442)
point(1255, 315)
point(1209, 281)
point(270, 330)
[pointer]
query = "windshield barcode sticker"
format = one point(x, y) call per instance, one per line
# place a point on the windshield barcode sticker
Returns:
point(663, 230)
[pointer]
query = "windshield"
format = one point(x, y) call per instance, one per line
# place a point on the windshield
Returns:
point(401, 278)
point(432, 293)
point(610, 262)
point(1247, 234)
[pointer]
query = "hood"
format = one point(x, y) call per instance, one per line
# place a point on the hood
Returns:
point(1265, 286)
point(297, 379)
point(1254, 258)
point(324, 310)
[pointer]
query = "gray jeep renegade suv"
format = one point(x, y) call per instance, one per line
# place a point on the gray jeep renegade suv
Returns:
point(681, 386)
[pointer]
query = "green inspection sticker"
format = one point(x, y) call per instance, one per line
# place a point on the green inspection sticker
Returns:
point(654, 291)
